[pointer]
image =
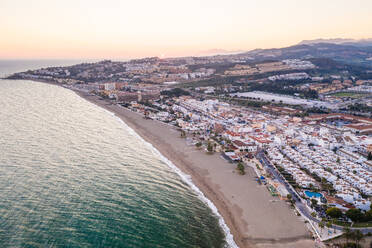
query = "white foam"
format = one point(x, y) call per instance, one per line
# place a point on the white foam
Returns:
point(187, 179)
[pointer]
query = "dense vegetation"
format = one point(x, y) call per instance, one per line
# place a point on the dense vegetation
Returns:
point(176, 92)
point(354, 214)
point(284, 87)
point(358, 107)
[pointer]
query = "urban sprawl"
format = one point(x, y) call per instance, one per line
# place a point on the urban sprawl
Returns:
point(310, 141)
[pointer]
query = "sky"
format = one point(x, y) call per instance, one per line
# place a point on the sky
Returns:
point(121, 29)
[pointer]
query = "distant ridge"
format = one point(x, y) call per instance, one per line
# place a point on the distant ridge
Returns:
point(333, 41)
point(339, 41)
point(213, 52)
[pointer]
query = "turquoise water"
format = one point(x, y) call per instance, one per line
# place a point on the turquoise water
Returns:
point(313, 194)
point(73, 175)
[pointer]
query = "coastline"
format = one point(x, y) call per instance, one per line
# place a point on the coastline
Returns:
point(253, 219)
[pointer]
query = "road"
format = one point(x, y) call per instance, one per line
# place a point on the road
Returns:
point(298, 201)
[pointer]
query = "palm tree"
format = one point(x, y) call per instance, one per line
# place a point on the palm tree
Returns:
point(240, 168)
point(347, 233)
point(358, 236)
point(328, 224)
point(210, 147)
point(183, 134)
point(321, 225)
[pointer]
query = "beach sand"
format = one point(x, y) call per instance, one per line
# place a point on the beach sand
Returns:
point(253, 219)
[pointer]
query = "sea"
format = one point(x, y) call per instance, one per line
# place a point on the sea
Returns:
point(74, 175)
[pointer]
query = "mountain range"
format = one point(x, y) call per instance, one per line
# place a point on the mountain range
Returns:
point(348, 51)
point(339, 41)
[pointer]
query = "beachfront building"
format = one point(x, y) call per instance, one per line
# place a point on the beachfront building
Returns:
point(308, 149)
point(301, 178)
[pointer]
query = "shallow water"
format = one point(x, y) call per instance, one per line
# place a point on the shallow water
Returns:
point(72, 175)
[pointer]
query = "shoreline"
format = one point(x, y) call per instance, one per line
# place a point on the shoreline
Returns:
point(182, 172)
point(216, 180)
point(186, 178)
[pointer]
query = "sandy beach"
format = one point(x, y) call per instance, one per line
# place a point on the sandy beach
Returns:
point(247, 208)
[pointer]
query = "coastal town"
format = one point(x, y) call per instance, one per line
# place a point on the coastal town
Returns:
point(309, 142)
point(186, 124)
point(255, 78)
point(315, 162)
point(320, 152)
point(323, 161)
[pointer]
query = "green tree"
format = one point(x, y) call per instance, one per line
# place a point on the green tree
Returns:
point(369, 215)
point(321, 225)
point(369, 157)
point(183, 134)
point(357, 236)
point(334, 212)
point(210, 147)
point(289, 197)
point(240, 168)
point(355, 214)
point(314, 203)
point(328, 224)
point(347, 234)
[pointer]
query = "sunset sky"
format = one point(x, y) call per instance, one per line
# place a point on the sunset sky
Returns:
point(117, 29)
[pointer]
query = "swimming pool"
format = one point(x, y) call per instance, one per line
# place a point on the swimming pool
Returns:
point(313, 194)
